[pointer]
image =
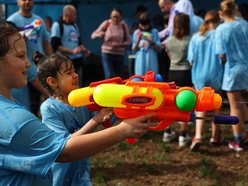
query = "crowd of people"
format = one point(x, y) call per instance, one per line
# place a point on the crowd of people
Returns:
point(56, 150)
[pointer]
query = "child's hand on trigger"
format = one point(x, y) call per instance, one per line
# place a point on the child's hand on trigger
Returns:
point(103, 115)
point(136, 127)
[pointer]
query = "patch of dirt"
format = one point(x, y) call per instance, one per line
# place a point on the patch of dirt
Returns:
point(152, 162)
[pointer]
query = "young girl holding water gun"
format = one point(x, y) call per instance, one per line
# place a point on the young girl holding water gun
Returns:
point(28, 148)
point(58, 75)
point(205, 65)
point(232, 42)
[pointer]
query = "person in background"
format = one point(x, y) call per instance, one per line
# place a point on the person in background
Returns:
point(48, 22)
point(160, 22)
point(29, 148)
point(38, 41)
point(180, 70)
point(57, 73)
point(65, 39)
point(231, 47)
point(181, 6)
point(146, 45)
point(116, 39)
point(186, 6)
point(165, 7)
point(206, 65)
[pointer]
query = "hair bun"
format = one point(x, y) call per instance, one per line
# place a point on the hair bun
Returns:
point(37, 57)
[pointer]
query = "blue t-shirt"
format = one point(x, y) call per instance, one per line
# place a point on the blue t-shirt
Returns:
point(34, 43)
point(146, 57)
point(195, 23)
point(232, 40)
point(35, 40)
point(64, 118)
point(70, 37)
point(207, 69)
point(27, 147)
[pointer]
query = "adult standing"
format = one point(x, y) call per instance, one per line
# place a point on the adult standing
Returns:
point(115, 34)
point(182, 6)
point(65, 38)
point(39, 41)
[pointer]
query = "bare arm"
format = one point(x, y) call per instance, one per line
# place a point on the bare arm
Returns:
point(48, 48)
point(97, 34)
point(90, 144)
point(102, 116)
point(136, 46)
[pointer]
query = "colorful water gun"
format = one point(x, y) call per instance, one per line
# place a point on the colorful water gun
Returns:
point(31, 29)
point(169, 104)
point(140, 95)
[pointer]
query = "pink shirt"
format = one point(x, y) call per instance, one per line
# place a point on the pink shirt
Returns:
point(114, 35)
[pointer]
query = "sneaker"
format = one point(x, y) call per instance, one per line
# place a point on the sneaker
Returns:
point(235, 146)
point(184, 141)
point(195, 145)
point(169, 136)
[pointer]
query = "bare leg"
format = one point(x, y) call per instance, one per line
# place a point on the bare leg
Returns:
point(216, 133)
point(236, 102)
point(199, 125)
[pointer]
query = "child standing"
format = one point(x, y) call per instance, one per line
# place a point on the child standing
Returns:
point(57, 73)
point(180, 71)
point(205, 66)
point(146, 45)
point(232, 42)
point(27, 146)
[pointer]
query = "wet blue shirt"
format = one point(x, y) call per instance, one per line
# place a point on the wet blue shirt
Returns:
point(63, 118)
point(27, 146)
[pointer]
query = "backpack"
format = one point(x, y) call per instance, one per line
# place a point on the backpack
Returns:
point(122, 26)
point(61, 27)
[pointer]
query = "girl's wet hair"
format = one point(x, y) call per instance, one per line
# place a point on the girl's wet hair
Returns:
point(6, 30)
point(181, 25)
point(49, 66)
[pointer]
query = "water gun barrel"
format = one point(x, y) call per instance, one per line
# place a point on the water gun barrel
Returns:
point(81, 96)
point(217, 119)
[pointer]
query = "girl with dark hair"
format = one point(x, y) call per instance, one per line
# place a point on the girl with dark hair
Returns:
point(58, 75)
